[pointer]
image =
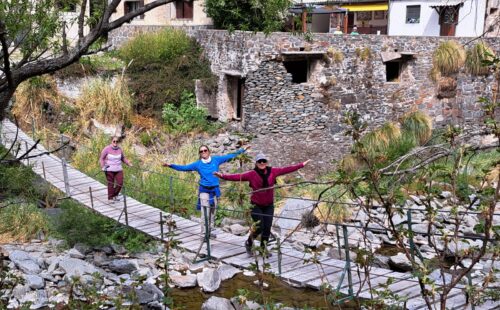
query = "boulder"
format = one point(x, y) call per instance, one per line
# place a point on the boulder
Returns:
point(110, 130)
point(34, 281)
point(241, 303)
point(181, 281)
point(38, 299)
point(121, 266)
point(217, 303)
point(76, 267)
point(438, 278)
point(400, 262)
point(75, 254)
point(209, 280)
point(227, 271)
point(293, 209)
point(25, 262)
point(237, 229)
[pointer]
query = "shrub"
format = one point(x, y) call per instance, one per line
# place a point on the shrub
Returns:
point(187, 117)
point(105, 100)
point(476, 57)
point(22, 222)
point(159, 47)
point(249, 15)
point(163, 65)
point(77, 224)
point(449, 57)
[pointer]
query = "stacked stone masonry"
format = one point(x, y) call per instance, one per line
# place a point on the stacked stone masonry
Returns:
point(296, 121)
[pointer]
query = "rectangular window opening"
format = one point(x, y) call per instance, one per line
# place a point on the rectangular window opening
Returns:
point(413, 14)
point(392, 71)
point(184, 9)
point(131, 6)
point(299, 69)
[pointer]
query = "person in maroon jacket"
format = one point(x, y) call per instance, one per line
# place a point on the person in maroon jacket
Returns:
point(261, 177)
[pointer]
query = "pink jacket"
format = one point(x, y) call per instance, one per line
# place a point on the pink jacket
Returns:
point(263, 197)
point(111, 160)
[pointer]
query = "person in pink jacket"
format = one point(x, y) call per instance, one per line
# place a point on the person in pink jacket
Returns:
point(262, 199)
point(111, 163)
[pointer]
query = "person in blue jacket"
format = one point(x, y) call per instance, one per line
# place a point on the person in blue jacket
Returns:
point(209, 183)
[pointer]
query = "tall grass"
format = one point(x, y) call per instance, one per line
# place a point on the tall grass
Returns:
point(22, 222)
point(105, 100)
point(31, 95)
point(449, 57)
point(476, 56)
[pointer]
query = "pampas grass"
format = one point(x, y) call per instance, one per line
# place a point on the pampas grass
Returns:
point(449, 57)
point(476, 56)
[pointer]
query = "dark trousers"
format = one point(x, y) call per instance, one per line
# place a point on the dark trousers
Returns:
point(115, 183)
point(263, 215)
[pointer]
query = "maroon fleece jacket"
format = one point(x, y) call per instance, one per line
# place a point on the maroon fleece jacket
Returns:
point(263, 197)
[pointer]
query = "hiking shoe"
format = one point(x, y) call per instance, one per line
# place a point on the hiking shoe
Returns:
point(116, 198)
point(248, 248)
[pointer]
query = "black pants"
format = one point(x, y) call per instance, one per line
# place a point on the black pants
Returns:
point(263, 215)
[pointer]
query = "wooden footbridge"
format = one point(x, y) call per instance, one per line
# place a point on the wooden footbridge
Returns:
point(288, 264)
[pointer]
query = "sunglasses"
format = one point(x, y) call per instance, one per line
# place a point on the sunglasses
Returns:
point(262, 161)
point(115, 141)
point(203, 151)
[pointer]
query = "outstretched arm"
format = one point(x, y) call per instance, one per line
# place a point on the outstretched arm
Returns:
point(245, 176)
point(289, 169)
point(188, 167)
point(228, 157)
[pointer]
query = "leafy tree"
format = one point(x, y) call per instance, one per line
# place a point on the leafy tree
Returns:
point(34, 41)
point(250, 15)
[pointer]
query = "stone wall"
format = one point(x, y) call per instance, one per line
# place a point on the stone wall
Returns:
point(296, 121)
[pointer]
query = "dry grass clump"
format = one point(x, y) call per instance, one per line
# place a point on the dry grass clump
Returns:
point(34, 96)
point(449, 57)
point(332, 213)
point(22, 222)
point(390, 141)
point(476, 56)
point(447, 87)
point(107, 101)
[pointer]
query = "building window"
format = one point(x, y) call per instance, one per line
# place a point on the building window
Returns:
point(131, 6)
point(184, 9)
point(413, 14)
point(392, 71)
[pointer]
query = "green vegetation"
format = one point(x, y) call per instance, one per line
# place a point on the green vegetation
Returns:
point(187, 117)
point(163, 65)
point(248, 15)
point(77, 224)
point(22, 222)
point(103, 63)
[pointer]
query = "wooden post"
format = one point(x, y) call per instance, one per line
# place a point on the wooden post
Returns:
point(66, 178)
point(43, 170)
point(125, 206)
point(161, 226)
point(345, 23)
point(91, 198)
point(304, 20)
point(25, 150)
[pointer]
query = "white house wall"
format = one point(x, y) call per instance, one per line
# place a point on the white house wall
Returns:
point(470, 19)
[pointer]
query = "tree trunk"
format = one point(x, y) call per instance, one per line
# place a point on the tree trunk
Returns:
point(5, 96)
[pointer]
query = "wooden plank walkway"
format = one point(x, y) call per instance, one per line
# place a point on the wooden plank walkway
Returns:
point(227, 247)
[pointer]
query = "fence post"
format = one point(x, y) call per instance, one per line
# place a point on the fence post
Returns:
point(410, 235)
point(161, 226)
point(278, 244)
point(125, 205)
point(348, 260)
point(26, 150)
point(91, 198)
point(171, 190)
point(63, 147)
point(43, 170)
point(65, 175)
point(338, 239)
